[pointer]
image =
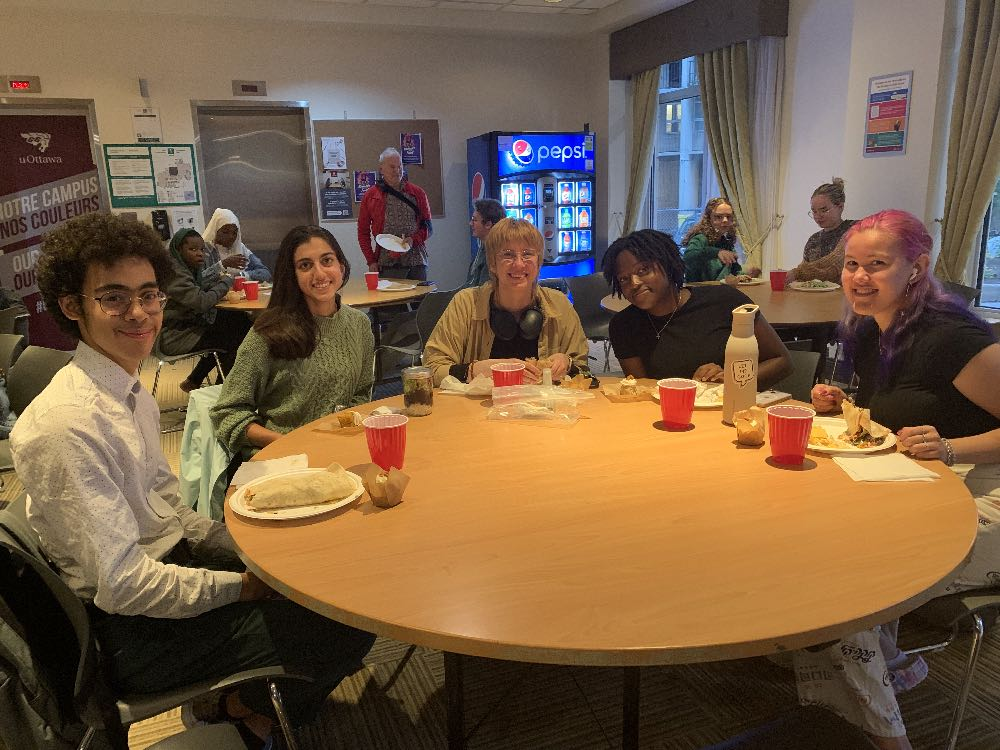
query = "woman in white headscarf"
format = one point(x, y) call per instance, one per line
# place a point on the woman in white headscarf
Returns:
point(222, 234)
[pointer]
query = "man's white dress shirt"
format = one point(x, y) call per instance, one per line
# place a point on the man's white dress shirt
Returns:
point(103, 500)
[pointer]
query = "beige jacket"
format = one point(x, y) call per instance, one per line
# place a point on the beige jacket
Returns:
point(463, 333)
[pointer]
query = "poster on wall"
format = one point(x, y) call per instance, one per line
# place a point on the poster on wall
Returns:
point(146, 125)
point(336, 199)
point(887, 114)
point(334, 152)
point(411, 148)
point(143, 176)
point(364, 180)
point(47, 177)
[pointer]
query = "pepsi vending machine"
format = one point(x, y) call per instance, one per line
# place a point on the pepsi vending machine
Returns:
point(544, 178)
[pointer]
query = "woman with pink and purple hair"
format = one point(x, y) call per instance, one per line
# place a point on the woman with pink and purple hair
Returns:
point(928, 369)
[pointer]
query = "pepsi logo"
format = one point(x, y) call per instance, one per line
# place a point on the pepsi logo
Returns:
point(521, 152)
point(549, 234)
point(478, 186)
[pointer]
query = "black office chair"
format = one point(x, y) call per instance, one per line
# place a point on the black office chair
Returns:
point(27, 377)
point(14, 319)
point(587, 293)
point(967, 293)
point(56, 629)
point(11, 346)
point(803, 376)
point(946, 617)
point(429, 312)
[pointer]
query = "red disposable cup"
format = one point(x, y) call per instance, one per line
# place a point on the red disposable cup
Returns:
point(371, 279)
point(238, 282)
point(778, 280)
point(507, 373)
point(386, 435)
point(251, 289)
point(677, 400)
point(789, 427)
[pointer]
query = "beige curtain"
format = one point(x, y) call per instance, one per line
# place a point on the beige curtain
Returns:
point(973, 140)
point(725, 101)
point(766, 58)
point(645, 90)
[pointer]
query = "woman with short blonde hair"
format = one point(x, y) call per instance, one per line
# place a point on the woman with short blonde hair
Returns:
point(510, 317)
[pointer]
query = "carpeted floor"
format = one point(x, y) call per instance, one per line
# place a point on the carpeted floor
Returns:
point(537, 707)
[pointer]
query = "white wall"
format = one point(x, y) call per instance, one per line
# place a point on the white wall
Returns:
point(470, 83)
point(832, 50)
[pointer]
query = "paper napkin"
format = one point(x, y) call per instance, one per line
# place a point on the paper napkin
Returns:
point(889, 467)
point(251, 470)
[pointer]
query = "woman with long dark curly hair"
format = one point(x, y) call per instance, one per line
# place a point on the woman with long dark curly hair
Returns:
point(709, 246)
point(307, 353)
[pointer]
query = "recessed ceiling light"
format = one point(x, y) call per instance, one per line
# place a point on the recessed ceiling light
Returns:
point(553, 2)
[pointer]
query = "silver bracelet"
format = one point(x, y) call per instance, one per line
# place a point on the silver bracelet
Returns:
point(949, 459)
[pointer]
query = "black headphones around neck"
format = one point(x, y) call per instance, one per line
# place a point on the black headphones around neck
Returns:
point(506, 326)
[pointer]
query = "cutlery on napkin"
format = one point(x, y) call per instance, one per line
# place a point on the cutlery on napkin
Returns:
point(889, 467)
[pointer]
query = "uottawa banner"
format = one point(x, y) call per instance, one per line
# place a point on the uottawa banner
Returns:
point(47, 176)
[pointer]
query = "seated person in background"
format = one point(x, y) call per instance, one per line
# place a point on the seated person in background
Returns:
point(223, 234)
point(191, 321)
point(928, 369)
point(166, 592)
point(510, 317)
point(307, 354)
point(673, 331)
point(708, 251)
point(487, 213)
point(823, 256)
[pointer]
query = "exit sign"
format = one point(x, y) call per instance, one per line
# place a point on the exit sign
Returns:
point(22, 84)
point(249, 88)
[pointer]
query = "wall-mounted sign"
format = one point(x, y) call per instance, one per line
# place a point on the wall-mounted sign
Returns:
point(364, 180)
point(532, 152)
point(146, 125)
point(22, 84)
point(887, 114)
point(143, 176)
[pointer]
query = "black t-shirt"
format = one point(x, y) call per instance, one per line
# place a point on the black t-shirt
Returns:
point(518, 347)
point(920, 390)
point(697, 335)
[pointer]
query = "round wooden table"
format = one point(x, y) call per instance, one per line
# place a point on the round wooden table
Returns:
point(786, 308)
point(354, 293)
point(612, 542)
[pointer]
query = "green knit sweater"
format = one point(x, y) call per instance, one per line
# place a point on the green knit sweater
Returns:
point(282, 394)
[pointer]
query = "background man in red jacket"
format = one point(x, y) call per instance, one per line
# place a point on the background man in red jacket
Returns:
point(395, 206)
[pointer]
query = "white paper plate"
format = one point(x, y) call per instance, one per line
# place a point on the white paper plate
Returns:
point(238, 504)
point(266, 286)
point(835, 426)
point(392, 243)
point(752, 282)
point(705, 398)
point(386, 285)
point(800, 286)
point(709, 396)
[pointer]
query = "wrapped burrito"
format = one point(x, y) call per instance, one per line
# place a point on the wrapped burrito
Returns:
point(315, 488)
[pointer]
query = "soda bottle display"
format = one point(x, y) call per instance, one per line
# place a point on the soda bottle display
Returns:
point(510, 195)
point(528, 214)
point(566, 192)
point(527, 194)
point(513, 213)
point(582, 216)
point(583, 192)
point(567, 242)
point(566, 218)
point(583, 243)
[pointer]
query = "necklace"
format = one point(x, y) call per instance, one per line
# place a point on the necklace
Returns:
point(673, 312)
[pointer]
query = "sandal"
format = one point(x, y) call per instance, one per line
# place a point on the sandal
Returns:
point(909, 674)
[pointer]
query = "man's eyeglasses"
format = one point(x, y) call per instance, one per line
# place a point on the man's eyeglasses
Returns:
point(507, 257)
point(116, 302)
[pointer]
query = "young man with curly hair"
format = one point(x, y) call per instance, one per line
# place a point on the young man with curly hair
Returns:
point(169, 601)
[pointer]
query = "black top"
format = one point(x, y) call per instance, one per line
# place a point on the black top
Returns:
point(920, 390)
point(518, 347)
point(697, 335)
